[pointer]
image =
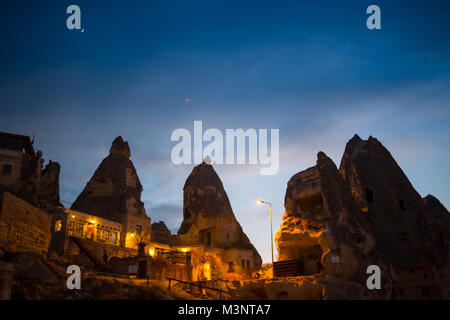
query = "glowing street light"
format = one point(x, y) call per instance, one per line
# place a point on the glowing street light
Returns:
point(271, 232)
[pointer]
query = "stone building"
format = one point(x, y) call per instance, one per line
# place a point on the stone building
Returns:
point(23, 227)
point(13, 150)
point(22, 174)
point(77, 233)
point(338, 222)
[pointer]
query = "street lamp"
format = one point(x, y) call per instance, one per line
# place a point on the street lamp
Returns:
point(271, 232)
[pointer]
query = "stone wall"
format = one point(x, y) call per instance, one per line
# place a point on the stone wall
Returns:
point(23, 227)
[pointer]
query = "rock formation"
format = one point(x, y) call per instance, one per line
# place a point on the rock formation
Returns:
point(160, 233)
point(203, 195)
point(114, 189)
point(340, 222)
point(49, 186)
point(397, 215)
point(324, 227)
point(114, 193)
point(208, 219)
point(36, 186)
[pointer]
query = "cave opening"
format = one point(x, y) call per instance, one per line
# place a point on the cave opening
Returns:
point(369, 195)
point(310, 203)
point(310, 257)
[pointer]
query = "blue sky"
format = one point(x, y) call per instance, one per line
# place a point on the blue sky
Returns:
point(314, 71)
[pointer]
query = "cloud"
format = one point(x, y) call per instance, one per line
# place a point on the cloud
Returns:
point(171, 214)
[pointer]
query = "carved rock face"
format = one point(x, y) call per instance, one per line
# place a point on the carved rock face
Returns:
point(322, 225)
point(204, 196)
point(366, 213)
point(114, 189)
point(207, 213)
point(405, 228)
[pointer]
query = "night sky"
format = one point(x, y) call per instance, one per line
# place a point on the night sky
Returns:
point(314, 71)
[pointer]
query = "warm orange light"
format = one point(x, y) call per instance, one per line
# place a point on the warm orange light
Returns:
point(259, 201)
point(184, 249)
point(152, 253)
point(207, 271)
point(132, 234)
point(93, 221)
point(73, 216)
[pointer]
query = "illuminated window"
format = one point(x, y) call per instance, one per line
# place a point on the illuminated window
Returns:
point(89, 233)
point(105, 235)
point(79, 230)
point(114, 237)
point(138, 230)
point(99, 234)
point(71, 228)
point(7, 169)
point(58, 226)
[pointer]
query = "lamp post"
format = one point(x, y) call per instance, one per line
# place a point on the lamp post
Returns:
point(271, 232)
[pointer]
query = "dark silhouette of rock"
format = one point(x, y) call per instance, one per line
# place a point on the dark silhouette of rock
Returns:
point(29, 267)
point(407, 232)
point(367, 213)
point(114, 190)
point(49, 186)
point(160, 233)
point(323, 227)
point(120, 147)
point(203, 195)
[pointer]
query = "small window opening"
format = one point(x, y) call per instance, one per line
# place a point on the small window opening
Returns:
point(369, 195)
point(7, 169)
point(138, 230)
